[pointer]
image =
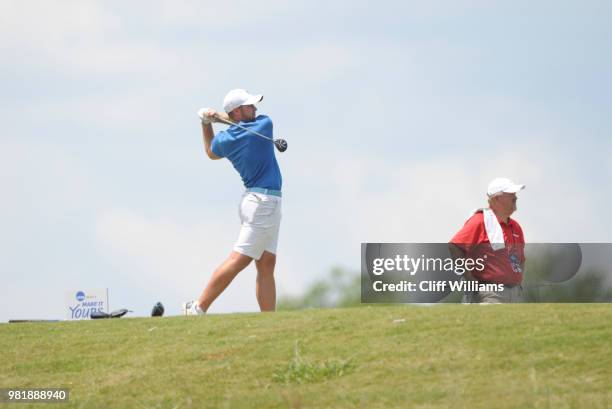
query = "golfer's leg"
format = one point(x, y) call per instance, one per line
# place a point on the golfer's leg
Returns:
point(265, 288)
point(489, 297)
point(223, 275)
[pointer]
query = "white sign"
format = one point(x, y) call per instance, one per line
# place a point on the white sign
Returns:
point(81, 303)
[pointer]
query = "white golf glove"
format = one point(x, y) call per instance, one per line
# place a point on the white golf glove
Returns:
point(203, 114)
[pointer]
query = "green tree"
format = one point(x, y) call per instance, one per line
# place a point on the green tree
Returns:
point(340, 288)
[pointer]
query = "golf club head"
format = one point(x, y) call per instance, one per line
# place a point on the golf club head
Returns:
point(281, 145)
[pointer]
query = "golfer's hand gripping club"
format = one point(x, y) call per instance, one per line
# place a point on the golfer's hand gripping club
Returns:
point(207, 115)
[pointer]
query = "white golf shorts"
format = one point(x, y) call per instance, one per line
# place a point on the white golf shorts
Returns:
point(260, 216)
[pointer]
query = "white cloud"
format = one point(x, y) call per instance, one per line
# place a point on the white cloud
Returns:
point(315, 63)
point(43, 25)
point(233, 16)
point(161, 251)
point(427, 200)
point(42, 177)
point(88, 38)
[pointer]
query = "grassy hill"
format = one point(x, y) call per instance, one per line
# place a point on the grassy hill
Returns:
point(511, 356)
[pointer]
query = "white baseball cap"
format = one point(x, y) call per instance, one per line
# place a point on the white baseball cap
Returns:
point(239, 97)
point(505, 185)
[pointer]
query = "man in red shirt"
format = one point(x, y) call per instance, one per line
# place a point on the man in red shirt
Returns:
point(491, 235)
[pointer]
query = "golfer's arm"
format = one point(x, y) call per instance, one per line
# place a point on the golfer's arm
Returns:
point(208, 135)
point(224, 116)
point(458, 252)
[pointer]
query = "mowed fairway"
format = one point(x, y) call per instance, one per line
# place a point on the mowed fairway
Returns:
point(505, 356)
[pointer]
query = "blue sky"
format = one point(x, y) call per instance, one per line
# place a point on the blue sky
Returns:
point(397, 117)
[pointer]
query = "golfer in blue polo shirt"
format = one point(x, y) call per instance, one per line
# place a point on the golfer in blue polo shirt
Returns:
point(260, 208)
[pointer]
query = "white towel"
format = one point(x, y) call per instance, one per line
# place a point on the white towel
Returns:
point(494, 231)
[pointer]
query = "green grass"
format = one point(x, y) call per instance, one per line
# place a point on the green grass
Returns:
point(506, 356)
point(301, 370)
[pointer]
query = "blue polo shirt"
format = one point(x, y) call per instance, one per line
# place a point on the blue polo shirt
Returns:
point(251, 155)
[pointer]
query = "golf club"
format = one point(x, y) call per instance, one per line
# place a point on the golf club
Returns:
point(280, 144)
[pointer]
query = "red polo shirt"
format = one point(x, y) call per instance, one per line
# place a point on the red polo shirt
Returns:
point(502, 266)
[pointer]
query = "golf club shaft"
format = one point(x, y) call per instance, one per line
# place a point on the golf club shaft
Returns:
point(228, 122)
